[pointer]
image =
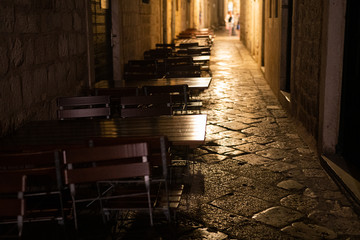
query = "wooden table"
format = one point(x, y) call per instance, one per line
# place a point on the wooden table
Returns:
point(185, 130)
point(201, 58)
point(194, 83)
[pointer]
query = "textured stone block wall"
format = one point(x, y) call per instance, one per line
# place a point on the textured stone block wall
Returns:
point(306, 56)
point(42, 56)
point(245, 22)
point(141, 27)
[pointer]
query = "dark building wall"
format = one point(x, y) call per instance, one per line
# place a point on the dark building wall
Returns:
point(141, 27)
point(306, 63)
point(272, 49)
point(43, 56)
point(101, 30)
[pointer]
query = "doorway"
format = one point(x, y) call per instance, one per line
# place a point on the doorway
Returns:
point(350, 101)
point(286, 18)
point(101, 22)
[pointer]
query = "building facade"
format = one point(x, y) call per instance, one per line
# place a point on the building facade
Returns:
point(307, 51)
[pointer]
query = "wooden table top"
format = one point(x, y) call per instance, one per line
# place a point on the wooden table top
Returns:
point(194, 83)
point(186, 130)
point(201, 58)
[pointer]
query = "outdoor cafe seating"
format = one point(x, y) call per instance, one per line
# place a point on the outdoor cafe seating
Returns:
point(103, 146)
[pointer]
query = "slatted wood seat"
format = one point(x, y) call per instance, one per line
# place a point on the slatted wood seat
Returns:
point(83, 107)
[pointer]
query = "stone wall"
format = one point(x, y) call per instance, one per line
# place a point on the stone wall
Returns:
point(141, 27)
point(306, 65)
point(250, 26)
point(43, 56)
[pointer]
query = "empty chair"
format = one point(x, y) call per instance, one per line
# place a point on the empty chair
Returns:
point(107, 166)
point(159, 157)
point(178, 71)
point(158, 53)
point(43, 194)
point(134, 71)
point(176, 61)
point(142, 106)
point(12, 204)
point(188, 45)
point(115, 95)
point(83, 107)
point(178, 93)
point(165, 45)
point(116, 92)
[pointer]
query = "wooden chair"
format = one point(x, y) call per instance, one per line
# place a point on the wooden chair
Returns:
point(140, 72)
point(179, 95)
point(160, 161)
point(178, 61)
point(142, 106)
point(106, 165)
point(165, 45)
point(179, 71)
point(188, 45)
point(83, 107)
point(44, 191)
point(115, 96)
point(12, 204)
point(158, 53)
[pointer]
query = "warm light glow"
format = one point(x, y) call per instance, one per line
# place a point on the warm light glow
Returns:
point(104, 4)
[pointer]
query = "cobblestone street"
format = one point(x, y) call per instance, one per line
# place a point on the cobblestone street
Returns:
point(256, 178)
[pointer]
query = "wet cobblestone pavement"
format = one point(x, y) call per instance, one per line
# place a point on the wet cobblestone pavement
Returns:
point(255, 178)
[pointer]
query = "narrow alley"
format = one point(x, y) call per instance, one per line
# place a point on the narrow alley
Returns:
point(255, 178)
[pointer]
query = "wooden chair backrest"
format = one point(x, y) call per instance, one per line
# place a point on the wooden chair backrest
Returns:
point(116, 92)
point(142, 106)
point(83, 107)
point(179, 95)
point(108, 163)
point(12, 186)
point(188, 45)
point(12, 203)
point(29, 163)
point(158, 148)
point(166, 45)
point(134, 72)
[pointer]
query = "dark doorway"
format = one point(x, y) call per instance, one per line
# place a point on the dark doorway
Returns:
point(288, 45)
point(286, 18)
point(350, 101)
point(103, 59)
point(263, 35)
